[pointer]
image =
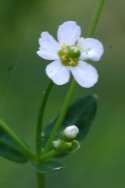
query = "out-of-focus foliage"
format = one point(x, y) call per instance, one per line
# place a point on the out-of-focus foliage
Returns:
point(101, 160)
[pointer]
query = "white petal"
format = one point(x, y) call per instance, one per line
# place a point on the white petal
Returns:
point(68, 33)
point(85, 74)
point(91, 49)
point(49, 47)
point(58, 73)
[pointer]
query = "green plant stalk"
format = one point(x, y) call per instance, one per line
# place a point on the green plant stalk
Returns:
point(48, 156)
point(40, 180)
point(95, 18)
point(40, 118)
point(72, 87)
point(62, 114)
point(40, 177)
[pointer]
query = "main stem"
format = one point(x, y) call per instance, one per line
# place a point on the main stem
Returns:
point(68, 97)
point(40, 177)
point(40, 180)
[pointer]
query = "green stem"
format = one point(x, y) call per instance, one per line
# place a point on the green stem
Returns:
point(41, 177)
point(40, 118)
point(40, 180)
point(62, 115)
point(72, 87)
point(95, 18)
point(48, 155)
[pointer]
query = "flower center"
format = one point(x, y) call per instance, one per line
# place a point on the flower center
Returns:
point(69, 55)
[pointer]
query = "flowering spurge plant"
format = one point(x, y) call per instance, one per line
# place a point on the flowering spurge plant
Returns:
point(60, 137)
point(69, 55)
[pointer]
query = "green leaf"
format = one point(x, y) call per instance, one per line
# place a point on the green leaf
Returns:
point(11, 147)
point(81, 113)
point(11, 154)
point(48, 167)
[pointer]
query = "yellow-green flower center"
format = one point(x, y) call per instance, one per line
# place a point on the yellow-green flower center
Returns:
point(69, 56)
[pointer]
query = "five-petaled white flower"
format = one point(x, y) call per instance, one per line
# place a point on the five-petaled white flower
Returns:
point(69, 55)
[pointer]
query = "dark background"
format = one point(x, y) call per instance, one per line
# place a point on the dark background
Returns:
point(101, 161)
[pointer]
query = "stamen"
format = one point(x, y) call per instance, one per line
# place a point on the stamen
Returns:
point(69, 56)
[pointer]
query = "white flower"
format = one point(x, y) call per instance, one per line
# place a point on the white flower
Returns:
point(71, 132)
point(69, 55)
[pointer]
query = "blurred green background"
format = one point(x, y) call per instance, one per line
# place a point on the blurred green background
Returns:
point(101, 161)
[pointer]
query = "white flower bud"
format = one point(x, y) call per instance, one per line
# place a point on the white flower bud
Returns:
point(56, 143)
point(62, 146)
point(71, 132)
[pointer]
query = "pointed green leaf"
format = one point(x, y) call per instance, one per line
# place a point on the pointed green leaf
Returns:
point(81, 113)
point(11, 147)
point(11, 153)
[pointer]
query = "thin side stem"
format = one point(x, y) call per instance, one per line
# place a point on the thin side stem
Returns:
point(68, 97)
point(48, 156)
point(41, 116)
point(95, 18)
point(41, 177)
point(62, 114)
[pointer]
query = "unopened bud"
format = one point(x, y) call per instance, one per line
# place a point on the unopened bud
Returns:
point(71, 132)
point(56, 143)
point(62, 146)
